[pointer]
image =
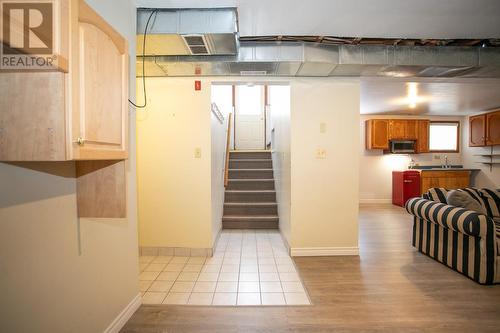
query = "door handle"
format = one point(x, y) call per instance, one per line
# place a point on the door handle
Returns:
point(408, 181)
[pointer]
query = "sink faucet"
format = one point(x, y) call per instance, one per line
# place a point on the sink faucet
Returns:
point(446, 166)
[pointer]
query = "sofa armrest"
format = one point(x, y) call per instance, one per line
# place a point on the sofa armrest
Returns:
point(458, 219)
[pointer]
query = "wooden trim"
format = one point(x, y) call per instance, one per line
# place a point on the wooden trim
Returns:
point(324, 251)
point(125, 315)
point(458, 135)
point(234, 116)
point(228, 144)
point(265, 114)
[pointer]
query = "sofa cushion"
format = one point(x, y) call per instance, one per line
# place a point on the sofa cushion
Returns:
point(464, 199)
point(492, 202)
point(437, 194)
point(497, 227)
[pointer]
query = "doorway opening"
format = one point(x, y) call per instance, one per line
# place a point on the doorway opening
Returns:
point(248, 105)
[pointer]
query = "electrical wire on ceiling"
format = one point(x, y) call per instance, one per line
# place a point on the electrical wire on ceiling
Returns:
point(143, 65)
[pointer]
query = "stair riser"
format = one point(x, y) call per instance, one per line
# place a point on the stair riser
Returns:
point(250, 174)
point(252, 155)
point(236, 164)
point(250, 185)
point(250, 197)
point(250, 210)
point(247, 225)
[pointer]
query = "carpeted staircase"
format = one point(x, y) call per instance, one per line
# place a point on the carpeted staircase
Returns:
point(250, 200)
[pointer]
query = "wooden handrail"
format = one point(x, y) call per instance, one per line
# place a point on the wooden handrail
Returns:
point(228, 143)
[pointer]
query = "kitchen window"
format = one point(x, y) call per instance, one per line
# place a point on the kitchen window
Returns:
point(444, 136)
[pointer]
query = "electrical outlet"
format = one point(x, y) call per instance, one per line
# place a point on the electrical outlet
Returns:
point(436, 156)
point(197, 153)
point(320, 154)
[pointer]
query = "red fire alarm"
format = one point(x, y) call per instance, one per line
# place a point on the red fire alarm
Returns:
point(197, 85)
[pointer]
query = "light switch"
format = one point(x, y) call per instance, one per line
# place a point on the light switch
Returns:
point(322, 127)
point(197, 153)
point(320, 154)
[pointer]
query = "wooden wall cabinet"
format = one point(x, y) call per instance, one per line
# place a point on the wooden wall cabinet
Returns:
point(402, 129)
point(446, 179)
point(377, 134)
point(422, 136)
point(78, 112)
point(484, 129)
point(493, 128)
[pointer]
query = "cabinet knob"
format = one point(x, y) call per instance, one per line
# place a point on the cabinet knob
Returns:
point(80, 141)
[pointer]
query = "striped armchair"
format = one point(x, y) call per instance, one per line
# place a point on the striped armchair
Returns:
point(461, 239)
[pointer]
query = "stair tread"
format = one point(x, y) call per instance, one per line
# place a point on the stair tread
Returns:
point(250, 151)
point(250, 159)
point(256, 169)
point(250, 203)
point(244, 217)
point(251, 180)
point(251, 191)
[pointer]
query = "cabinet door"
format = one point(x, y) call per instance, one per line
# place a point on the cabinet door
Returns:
point(423, 136)
point(397, 129)
point(493, 128)
point(103, 91)
point(477, 131)
point(377, 134)
point(32, 124)
point(411, 132)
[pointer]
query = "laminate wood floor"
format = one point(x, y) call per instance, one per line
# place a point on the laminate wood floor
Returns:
point(389, 288)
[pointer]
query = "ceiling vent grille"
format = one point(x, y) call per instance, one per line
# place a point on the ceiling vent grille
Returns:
point(196, 44)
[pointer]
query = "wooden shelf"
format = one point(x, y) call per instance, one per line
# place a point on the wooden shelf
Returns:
point(488, 155)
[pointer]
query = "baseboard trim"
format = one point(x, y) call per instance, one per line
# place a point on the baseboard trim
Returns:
point(324, 251)
point(375, 201)
point(125, 315)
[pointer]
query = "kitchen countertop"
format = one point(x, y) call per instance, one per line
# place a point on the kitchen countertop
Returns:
point(442, 169)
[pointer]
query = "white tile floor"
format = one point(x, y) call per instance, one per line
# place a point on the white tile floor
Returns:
point(249, 267)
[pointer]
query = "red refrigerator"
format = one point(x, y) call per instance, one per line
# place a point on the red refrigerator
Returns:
point(405, 185)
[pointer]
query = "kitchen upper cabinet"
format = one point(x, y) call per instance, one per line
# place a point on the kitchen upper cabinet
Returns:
point(377, 134)
point(78, 112)
point(402, 129)
point(397, 129)
point(422, 136)
point(484, 129)
point(477, 127)
point(493, 128)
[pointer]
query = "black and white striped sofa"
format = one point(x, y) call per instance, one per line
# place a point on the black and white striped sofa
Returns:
point(464, 240)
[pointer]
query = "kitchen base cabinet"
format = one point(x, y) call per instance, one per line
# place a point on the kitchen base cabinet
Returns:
point(446, 179)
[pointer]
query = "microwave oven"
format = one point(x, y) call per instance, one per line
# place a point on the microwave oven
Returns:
point(402, 147)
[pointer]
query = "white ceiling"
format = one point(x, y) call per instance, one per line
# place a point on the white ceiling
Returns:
point(358, 18)
point(458, 98)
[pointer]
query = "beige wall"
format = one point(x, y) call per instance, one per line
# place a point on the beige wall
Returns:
point(318, 197)
point(375, 180)
point(485, 178)
point(174, 187)
point(58, 273)
point(279, 110)
point(324, 192)
point(218, 159)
